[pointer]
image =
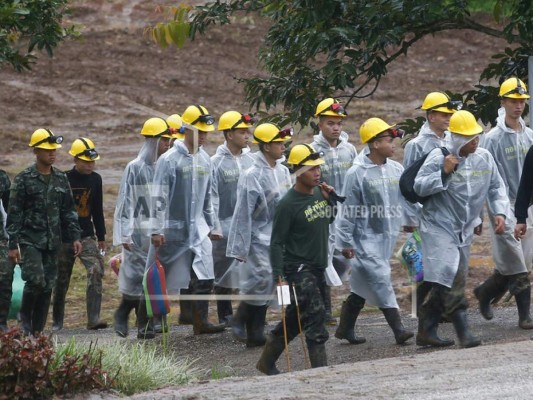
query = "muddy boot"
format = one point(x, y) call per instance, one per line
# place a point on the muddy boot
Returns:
point(26, 310)
point(523, 303)
point(145, 329)
point(422, 291)
point(40, 312)
point(428, 323)
point(493, 287)
point(122, 315)
point(350, 310)
point(224, 308)
point(273, 348)
point(185, 317)
point(199, 317)
point(392, 315)
point(4, 311)
point(317, 354)
point(94, 301)
point(160, 323)
point(255, 326)
point(58, 308)
point(466, 339)
point(327, 304)
point(238, 322)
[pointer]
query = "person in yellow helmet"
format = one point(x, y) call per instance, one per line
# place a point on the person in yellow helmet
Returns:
point(508, 142)
point(367, 229)
point(41, 206)
point(299, 256)
point(86, 187)
point(458, 185)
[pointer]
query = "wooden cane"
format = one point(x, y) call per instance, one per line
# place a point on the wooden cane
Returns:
point(285, 330)
point(307, 363)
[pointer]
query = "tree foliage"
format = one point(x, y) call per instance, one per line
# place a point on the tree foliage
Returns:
point(343, 48)
point(26, 25)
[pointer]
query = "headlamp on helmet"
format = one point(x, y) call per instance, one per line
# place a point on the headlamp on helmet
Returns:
point(246, 119)
point(330, 107)
point(513, 88)
point(451, 104)
point(48, 138)
point(304, 154)
point(84, 149)
point(204, 118)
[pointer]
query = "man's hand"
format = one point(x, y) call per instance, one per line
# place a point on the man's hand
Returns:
point(409, 229)
point(14, 255)
point(499, 224)
point(102, 247)
point(326, 189)
point(348, 253)
point(520, 231)
point(158, 240)
point(77, 248)
point(215, 236)
point(450, 162)
point(478, 230)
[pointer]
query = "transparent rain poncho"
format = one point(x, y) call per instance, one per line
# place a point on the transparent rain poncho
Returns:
point(369, 222)
point(134, 212)
point(259, 190)
point(450, 215)
point(509, 149)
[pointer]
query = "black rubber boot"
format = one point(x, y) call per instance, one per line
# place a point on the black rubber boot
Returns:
point(273, 348)
point(4, 311)
point(122, 315)
point(145, 328)
point(349, 312)
point(160, 323)
point(523, 304)
point(422, 291)
point(94, 301)
point(255, 326)
point(185, 317)
point(428, 323)
point(466, 339)
point(317, 354)
point(238, 322)
point(58, 308)
point(224, 308)
point(40, 312)
point(199, 317)
point(26, 310)
point(327, 304)
point(493, 287)
point(392, 315)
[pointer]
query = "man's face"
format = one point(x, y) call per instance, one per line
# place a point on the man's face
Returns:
point(439, 121)
point(45, 156)
point(163, 145)
point(331, 127)
point(84, 167)
point(309, 176)
point(470, 147)
point(239, 137)
point(513, 107)
point(276, 150)
point(384, 144)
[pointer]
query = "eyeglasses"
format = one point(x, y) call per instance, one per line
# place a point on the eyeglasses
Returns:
point(246, 118)
point(50, 139)
point(203, 117)
point(337, 108)
point(313, 156)
point(451, 104)
point(89, 152)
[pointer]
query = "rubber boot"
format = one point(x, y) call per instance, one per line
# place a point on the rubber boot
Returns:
point(145, 328)
point(26, 310)
point(428, 323)
point(40, 312)
point(238, 322)
point(466, 339)
point(273, 348)
point(4, 311)
point(94, 301)
point(327, 304)
point(317, 354)
point(346, 329)
point(58, 308)
point(255, 326)
point(122, 315)
point(523, 303)
point(493, 287)
point(422, 291)
point(224, 308)
point(160, 323)
point(185, 317)
point(392, 315)
point(199, 317)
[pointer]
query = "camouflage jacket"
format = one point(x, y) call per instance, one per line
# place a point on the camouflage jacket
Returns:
point(38, 209)
point(5, 184)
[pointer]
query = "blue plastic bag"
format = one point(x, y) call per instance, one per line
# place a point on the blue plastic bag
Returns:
point(16, 297)
point(411, 257)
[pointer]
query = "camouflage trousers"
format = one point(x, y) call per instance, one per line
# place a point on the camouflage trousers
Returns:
point(516, 283)
point(310, 285)
point(39, 269)
point(6, 274)
point(90, 258)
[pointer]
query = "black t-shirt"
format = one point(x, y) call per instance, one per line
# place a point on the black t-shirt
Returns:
point(525, 190)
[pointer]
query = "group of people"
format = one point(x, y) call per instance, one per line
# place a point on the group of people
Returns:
point(249, 221)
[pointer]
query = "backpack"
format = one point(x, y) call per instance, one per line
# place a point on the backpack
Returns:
point(407, 180)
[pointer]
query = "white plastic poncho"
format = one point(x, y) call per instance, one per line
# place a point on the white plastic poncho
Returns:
point(509, 149)
point(134, 212)
point(452, 212)
point(182, 183)
point(369, 222)
point(226, 170)
point(259, 190)
point(423, 143)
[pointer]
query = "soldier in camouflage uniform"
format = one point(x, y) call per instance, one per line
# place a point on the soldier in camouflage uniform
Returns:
point(6, 267)
point(40, 203)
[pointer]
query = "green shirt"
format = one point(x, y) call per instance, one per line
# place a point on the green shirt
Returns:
point(300, 232)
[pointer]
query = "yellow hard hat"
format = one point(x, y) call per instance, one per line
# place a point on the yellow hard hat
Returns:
point(176, 126)
point(464, 123)
point(45, 139)
point(373, 127)
point(330, 107)
point(305, 154)
point(156, 127)
point(266, 133)
point(199, 117)
point(514, 88)
point(438, 101)
point(84, 149)
point(234, 120)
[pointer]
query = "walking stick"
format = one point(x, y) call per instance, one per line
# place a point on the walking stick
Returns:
point(307, 363)
point(285, 330)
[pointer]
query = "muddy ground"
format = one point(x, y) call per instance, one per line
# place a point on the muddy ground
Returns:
point(107, 83)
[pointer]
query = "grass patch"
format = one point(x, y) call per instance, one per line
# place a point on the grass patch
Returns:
point(221, 372)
